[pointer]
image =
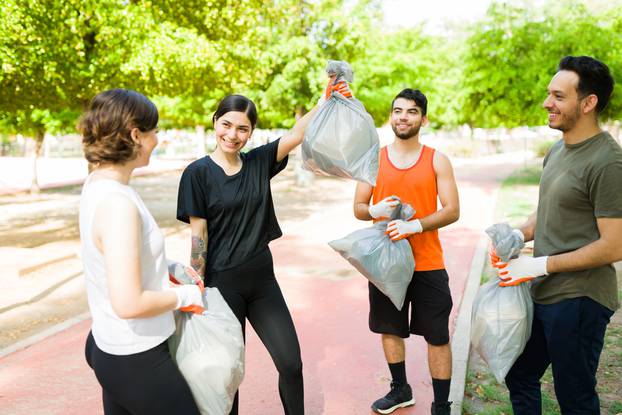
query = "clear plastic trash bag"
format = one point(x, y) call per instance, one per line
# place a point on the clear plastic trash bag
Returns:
point(386, 264)
point(506, 242)
point(341, 139)
point(501, 325)
point(208, 348)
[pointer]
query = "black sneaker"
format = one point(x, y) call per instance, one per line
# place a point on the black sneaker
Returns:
point(400, 396)
point(441, 408)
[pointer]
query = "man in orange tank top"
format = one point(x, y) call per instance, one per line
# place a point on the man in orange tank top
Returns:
point(419, 176)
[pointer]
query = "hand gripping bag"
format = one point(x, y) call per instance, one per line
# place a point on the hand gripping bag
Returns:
point(386, 264)
point(208, 348)
point(501, 317)
point(341, 139)
point(507, 243)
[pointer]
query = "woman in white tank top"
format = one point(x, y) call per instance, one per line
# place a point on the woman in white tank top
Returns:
point(125, 267)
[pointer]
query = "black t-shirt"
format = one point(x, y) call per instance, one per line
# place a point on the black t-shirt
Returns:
point(238, 209)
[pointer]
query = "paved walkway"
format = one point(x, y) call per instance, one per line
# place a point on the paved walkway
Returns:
point(344, 364)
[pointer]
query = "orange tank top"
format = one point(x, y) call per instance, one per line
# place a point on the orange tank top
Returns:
point(415, 185)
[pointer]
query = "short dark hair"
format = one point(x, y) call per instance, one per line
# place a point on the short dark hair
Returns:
point(594, 78)
point(237, 103)
point(413, 95)
point(107, 123)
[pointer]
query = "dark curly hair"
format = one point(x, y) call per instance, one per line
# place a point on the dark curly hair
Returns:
point(413, 95)
point(106, 125)
point(594, 78)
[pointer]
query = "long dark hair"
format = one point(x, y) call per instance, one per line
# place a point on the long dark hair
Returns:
point(237, 103)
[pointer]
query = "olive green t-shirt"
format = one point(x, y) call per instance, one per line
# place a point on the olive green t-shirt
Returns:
point(580, 183)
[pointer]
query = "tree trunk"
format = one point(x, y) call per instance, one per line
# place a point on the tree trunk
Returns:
point(34, 186)
point(304, 178)
point(201, 148)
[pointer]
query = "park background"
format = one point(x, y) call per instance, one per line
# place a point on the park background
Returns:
point(484, 73)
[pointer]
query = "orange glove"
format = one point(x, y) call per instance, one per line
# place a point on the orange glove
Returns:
point(187, 299)
point(520, 270)
point(341, 87)
point(494, 258)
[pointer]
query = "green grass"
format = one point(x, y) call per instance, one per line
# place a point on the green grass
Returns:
point(485, 396)
point(527, 176)
point(518, 195)
point(517, 199)
point(615, 408)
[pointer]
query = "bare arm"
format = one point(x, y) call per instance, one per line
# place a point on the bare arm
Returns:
point(362, 196)
point(605, 250)
point(447, 194)
point(198, 250)
point(117, 235)
point(294, 137)
point(529, 227)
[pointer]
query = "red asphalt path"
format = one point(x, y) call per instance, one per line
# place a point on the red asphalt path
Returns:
point(344, 365)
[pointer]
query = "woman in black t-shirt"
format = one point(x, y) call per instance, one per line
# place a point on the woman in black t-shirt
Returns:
point(226, 199)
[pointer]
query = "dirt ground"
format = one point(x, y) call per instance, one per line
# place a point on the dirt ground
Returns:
point(29, 221)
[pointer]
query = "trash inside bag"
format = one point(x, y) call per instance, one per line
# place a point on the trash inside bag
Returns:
point(506, 242)
point(387, 264)
point(208, 348)
point(501, 325)
point(341, 70)
point(341, 139)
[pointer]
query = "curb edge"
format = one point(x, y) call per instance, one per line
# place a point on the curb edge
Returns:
point(461, 339)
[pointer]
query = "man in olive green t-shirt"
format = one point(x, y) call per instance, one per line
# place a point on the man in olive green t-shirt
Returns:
point(576, 231)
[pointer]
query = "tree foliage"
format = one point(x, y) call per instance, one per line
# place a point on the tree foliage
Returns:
point(55, 55)
point(513, 53)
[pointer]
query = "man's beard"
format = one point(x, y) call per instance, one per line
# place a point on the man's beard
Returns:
point(568, 122)
point(406, 134)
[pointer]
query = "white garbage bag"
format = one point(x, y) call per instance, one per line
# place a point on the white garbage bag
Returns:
point(341, 139)
point(208, 348)
point(501, 325)
point(387, 264)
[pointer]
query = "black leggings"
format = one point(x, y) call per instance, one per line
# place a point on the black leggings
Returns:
point(252, 292)
point(146, 383)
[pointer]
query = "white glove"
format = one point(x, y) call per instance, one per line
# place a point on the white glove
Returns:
point(522, 269)
point(384, 208)
point(189, 297)
point(400, 229)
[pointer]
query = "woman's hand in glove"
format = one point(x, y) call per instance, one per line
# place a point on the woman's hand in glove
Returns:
point(189, 298)
point(341, 87)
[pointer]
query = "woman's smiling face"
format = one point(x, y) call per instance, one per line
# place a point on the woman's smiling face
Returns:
point(233, 130)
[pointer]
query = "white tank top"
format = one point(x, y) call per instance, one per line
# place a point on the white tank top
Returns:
point(112, 334)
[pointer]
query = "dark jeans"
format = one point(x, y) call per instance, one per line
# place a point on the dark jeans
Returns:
point(569, 336)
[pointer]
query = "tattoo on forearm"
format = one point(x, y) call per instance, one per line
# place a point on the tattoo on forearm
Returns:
point(198, 255)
